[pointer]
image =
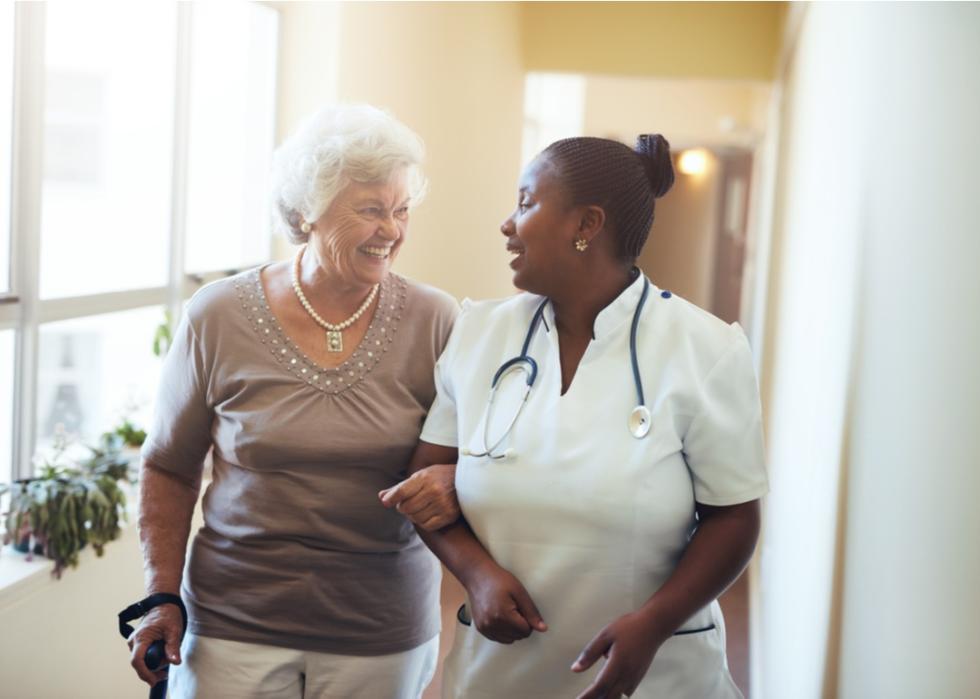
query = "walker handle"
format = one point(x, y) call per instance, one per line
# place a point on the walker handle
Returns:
point(156, 656)
point(156, 659)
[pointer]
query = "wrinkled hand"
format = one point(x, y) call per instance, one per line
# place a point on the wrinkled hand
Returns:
point(502, 610)
point(163, 622)
point(628, 644)
point(427, 498)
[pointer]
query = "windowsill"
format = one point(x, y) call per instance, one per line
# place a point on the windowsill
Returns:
point(20, 577)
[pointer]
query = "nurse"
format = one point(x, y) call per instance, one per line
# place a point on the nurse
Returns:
point(600, 525)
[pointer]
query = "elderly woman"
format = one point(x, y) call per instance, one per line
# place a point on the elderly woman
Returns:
point(309, 381)
point(610, 491)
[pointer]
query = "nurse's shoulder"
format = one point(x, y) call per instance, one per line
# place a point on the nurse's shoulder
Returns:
point(702, 336)
point(498, 314)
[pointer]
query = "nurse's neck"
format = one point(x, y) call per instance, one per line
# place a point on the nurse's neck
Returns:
point(578, 303)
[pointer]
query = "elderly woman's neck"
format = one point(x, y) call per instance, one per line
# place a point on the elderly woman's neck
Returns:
point(579, 303)
point(323, 280)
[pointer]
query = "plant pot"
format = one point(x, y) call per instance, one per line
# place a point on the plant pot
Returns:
point(24, 546)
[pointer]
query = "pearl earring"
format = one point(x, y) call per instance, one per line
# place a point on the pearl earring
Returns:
point(581, 244)
point(305, 227)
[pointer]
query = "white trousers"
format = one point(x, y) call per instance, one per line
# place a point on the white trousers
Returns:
point(213, 668)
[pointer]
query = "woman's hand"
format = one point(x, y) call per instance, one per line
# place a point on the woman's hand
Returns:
point(629, 645)
point(502, 610)
point(427, 498)
point(162, 622)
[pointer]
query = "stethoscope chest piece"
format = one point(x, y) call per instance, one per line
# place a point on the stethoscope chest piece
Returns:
point(639, 422)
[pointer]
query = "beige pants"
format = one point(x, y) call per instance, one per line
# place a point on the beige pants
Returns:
point(213, 668)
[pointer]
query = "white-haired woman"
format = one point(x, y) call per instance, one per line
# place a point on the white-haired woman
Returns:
point(309, 380)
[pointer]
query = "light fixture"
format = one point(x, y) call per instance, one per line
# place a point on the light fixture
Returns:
point(693, 161)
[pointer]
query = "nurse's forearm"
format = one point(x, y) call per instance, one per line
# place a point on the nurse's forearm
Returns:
point(456, 545)
point(500, 606)
point(715, 557)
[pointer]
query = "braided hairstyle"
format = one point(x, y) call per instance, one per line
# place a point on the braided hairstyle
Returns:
point(623, 181)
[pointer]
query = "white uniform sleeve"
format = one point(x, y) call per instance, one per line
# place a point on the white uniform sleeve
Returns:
point(723, 445)
point(441, 423)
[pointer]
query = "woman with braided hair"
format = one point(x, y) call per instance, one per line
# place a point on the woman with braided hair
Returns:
point(610, 488)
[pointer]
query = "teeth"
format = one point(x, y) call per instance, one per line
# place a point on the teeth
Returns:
point(376, 252)
point(515, 251)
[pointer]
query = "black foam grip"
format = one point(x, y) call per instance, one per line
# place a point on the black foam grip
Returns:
point(156, 656)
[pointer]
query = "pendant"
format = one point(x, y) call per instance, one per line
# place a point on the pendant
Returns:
point(335, 341)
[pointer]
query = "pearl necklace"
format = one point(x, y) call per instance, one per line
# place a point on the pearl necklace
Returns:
point(335, 340)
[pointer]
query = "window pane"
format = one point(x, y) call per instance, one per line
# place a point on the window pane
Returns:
point(95, 371)
point(108, 140)
point(6, 404)
point(6, 136)
point(232, 123)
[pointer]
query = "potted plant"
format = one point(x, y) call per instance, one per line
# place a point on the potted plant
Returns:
point(68, 505)
point(124, 442)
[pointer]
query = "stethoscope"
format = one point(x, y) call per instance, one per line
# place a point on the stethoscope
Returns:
point(639, 419)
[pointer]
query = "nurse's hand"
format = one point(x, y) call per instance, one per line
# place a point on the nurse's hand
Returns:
point(502, 610)
point(628, 644)
point(427, 497)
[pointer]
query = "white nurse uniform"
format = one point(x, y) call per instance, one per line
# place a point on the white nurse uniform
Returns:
point(590, 519)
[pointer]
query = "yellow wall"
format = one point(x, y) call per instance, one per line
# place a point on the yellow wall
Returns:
point(690, 113)
point(737, 40)
point(680, 253)
point(452, 73)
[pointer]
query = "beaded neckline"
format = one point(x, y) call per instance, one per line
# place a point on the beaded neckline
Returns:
point(375, 343)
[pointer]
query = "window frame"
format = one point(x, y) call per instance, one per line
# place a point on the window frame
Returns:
point(22, 309)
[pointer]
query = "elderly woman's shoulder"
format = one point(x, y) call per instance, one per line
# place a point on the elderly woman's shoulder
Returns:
point(226, 294)
point(429, 300)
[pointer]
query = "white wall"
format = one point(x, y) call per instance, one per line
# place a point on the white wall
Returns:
point(870, 563)
point(817, 227)
point(60, 638)
point(911, 612)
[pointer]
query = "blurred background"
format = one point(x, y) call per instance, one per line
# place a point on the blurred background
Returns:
point(827, 198)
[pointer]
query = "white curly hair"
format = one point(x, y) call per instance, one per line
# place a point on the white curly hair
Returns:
point(331, 148)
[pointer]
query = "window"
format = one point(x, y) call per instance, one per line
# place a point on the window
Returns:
point(140, 162)
point(108, 147)
point(95, 371)
point(6, 403)
point(6, 135)
point(231, 137)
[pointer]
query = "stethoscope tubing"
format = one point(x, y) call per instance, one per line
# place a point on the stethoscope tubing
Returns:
point(524, 362)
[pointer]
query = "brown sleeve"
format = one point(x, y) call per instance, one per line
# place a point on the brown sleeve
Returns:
point(181, 432)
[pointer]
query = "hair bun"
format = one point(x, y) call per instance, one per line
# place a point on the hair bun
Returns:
point(654, 152)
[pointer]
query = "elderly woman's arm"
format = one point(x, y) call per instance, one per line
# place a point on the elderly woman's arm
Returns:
point(165, 511)
point(501, 608)
point(428, 496)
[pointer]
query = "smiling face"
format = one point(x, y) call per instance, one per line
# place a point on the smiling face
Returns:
point(360, 233)
point(541, 231)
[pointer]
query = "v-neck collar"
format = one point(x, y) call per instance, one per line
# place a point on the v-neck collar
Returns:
point(373, 346)
point(618, 311)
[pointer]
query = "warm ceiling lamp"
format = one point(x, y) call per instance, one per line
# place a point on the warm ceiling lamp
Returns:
point(693, 161)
